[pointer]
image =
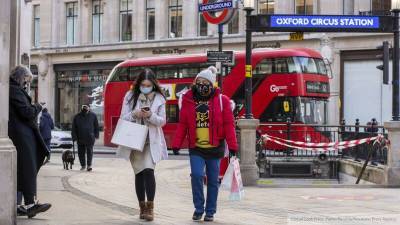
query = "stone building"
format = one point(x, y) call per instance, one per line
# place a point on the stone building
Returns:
point(76, 43)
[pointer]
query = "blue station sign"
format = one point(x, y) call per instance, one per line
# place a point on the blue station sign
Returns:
point(217, 6)
point(321, 23)
point(361, 22)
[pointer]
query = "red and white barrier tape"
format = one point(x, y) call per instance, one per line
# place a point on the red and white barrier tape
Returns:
point(332, 146)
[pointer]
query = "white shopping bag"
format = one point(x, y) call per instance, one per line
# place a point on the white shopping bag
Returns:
point(232, 180)
point(130, 135)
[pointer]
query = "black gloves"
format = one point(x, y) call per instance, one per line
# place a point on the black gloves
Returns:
point(38, 107)
point(176, 151)
point(232, 153)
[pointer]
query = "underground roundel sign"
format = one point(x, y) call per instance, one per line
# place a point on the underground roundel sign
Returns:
point(218, 12)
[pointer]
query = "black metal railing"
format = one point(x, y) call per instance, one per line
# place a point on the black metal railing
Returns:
point(322, 134)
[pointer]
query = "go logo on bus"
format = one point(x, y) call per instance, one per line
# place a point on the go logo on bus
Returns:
point(274, 88)
point(218, 12)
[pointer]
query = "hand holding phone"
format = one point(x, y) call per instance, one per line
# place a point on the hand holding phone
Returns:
point(146, 109)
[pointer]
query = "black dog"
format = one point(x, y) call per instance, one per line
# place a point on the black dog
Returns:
point(68, 159)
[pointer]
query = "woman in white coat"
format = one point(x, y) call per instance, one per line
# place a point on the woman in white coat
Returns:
point(145, 104)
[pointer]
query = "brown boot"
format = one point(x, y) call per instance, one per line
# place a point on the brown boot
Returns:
point(143, 210)
point(149, 216)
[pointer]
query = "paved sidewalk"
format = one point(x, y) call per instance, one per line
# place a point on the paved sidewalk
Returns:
point(106, 196)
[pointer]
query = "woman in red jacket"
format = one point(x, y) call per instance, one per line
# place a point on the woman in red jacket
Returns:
point(207, 121)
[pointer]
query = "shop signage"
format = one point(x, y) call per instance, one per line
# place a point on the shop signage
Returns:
point(297, 36)
point(267, 45)
point(321, 23)
point(225, 57)
point(169, 51)
point(220, 12)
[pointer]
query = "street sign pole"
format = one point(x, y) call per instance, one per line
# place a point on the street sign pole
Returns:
point(396, 69)
point(220, 34)
point(248, 68)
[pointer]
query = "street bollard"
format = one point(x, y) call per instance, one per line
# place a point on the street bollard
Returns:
point(247, 151)
point(392, 169)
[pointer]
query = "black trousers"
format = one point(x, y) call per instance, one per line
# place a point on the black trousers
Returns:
point(47, 142)
point(84, 150)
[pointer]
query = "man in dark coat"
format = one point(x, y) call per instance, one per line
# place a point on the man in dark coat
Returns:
point(46, 124)
point(85, 130)
point(24, 133)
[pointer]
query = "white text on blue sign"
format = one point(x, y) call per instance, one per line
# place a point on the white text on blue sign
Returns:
point(218, 6)
point(367, 22)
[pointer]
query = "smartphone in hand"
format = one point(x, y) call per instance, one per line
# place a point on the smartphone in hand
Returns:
point(146, 108)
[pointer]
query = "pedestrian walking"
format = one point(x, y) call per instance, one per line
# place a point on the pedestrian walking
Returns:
point(25, 135)
point(145, 104)
point(85, 131)
point(206, 118)
point(46, 125)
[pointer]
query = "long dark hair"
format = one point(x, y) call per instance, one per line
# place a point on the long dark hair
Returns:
point(146, 74)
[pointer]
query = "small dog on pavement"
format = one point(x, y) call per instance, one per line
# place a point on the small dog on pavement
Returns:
point(68, 159)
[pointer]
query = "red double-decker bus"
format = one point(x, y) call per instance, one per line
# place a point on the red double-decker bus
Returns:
point(287, 84)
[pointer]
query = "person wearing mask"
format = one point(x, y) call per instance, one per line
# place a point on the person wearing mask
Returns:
point(145, 104)
point(85, 131)
point(25, 135)
point(206, 118)
point(46, 125)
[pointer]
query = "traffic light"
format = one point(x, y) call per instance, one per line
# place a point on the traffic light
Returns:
point(385, 56)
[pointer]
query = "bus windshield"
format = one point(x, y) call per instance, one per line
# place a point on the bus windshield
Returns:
point(311, 111)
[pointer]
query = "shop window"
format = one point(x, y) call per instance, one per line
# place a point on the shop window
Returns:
point(151, 18)
point(348, 7)
point(233, 25)
point(36, 25)
point(266, 6)
point(380, 7)
point(304, 7)
point(97, 21)
point(75, 88)
point(203, 24)
point(125, 20)
point(175, 18)
point(72, 22)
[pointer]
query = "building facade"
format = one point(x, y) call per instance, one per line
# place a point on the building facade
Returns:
point(76, 43)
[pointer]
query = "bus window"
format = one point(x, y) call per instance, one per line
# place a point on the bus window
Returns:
point(281, 66)
point(187, 71)
point(121, 74)
point(307, 65)
point(285, 65)
point(322, 69)
point(127, 73)
point(167, 72)
point(263, 67)
point(172, 113)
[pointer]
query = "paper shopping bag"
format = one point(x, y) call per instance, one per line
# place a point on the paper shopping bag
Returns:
point(130, 135)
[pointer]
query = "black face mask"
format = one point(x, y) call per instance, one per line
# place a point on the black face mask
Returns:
point(84, 110)
point(204, 89)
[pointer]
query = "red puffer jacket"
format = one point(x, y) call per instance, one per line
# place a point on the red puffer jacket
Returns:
point(222, 124)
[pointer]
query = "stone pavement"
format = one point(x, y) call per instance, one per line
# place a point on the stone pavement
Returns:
point(106, 196)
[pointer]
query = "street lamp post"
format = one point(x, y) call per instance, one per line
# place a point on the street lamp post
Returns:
point(248, 7)
point(396, 58)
